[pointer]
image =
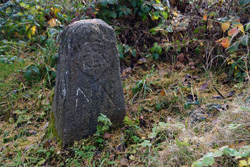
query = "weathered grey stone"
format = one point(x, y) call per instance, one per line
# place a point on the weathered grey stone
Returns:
point(88, 80)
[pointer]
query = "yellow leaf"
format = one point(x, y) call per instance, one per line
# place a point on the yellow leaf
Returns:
point(27, 27)
point(29, 34)
point(153, 17)
point(56, 10)
point(205, 17)
point(225, 26)
point(240, 27)
point(233, 31)
point(219, 40)
point(242, 163)
point(33, 30)
point(175, 14)
point(52, 22)
point(157, 1)
point(225, 42)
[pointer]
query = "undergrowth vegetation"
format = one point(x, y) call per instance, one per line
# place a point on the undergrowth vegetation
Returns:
point(185, 71)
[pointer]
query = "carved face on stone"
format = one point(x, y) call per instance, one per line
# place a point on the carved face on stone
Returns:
point(93, 59)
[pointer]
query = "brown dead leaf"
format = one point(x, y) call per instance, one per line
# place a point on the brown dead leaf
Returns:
point(241, 144)
point(182, 58)
point(219, 40)
point(124, 162)
point(233, 31)
point(107, 136)
point(225, 42)
point(162, 93)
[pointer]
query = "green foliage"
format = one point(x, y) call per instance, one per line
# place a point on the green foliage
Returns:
point(125, 50)
point(82, 153)
point(104, 126)
point(209, 158)
point(156, 51)
point(20, 19)
point(143, 9)
point(131, 136)
point(142, 86)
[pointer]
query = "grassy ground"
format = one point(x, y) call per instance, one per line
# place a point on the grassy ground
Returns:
point(173, 118)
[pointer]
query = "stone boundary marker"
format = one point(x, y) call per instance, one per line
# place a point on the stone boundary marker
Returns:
point(88, 80)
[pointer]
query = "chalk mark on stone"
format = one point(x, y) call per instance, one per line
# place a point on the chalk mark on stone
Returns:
point(77, 93)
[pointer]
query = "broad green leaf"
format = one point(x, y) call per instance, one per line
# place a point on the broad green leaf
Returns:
point(208, 161)
point(247, 26)
point(197, 164)
point(104, 3)
point(27, 74)
point(233, 47)
point(155, 56)
point(113, 14)
point(218, 153)
point(244, 40)
point(133, 52)
point(35, 69)
point(164, 14)
point(133, 3)
point(158, 49)
point(22, 4)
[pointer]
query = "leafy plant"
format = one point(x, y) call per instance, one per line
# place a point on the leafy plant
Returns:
point(209, 158)
point(104, 126)
point(156, 51)
point(124, 50)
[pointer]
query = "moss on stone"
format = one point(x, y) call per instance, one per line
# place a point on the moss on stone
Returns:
point(52, 132)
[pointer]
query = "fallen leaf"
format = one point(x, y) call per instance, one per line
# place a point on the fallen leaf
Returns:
point(219, 40)
point(205, 17)
point(241, 144)
point(162, 93)
point(233, 31)
point(182, 58)
point(124, 162)
point(225, 26)
point(242, 163)
point(225, 42)
point(107, 136)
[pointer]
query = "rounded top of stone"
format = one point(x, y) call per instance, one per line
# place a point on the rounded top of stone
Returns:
point(92, 21)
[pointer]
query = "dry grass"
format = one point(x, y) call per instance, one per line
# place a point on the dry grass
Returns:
point(185, 135)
